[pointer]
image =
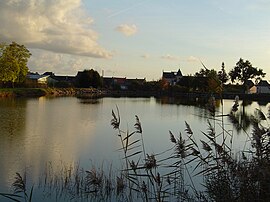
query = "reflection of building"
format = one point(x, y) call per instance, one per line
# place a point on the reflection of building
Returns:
point(262, 87)
point(172, 77)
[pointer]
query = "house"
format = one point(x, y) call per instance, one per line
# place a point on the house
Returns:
point(60, 81)
point(115, 82)
point(36, 80)
point(137, 81)
point(121, 82)
point(172, 77)
point(263, 87)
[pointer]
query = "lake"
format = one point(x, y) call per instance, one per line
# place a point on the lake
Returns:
point(67, 130)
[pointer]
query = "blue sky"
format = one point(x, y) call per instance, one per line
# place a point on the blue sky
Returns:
point(138, 39)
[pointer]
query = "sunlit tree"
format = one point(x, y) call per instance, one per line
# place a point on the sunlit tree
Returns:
point(13, 63)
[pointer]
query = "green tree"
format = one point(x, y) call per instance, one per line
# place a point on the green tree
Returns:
point(88, 78)
point(243, 71)
point(13, 63)
point(222, 75)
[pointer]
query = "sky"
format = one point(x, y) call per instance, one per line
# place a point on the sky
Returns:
point(138, 38)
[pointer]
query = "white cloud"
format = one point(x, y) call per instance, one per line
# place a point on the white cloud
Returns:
point(60, 26)
point(170, 57)
point(127, 30)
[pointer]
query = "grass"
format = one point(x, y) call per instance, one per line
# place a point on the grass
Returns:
point(22, 92)
point(226, 175)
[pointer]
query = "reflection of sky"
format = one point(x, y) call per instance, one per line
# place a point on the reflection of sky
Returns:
point(63, 130)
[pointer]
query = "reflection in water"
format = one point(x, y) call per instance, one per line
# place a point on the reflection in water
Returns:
point(12, 134)
point(37, 131)
point(89, 100)
point(182, 101)
point(239, 117)
point(12, 117)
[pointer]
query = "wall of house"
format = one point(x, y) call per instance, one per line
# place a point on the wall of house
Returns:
point(43, 80)
point(253, 90)
point(263, 89)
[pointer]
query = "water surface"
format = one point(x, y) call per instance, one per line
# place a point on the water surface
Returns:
point(68, 130)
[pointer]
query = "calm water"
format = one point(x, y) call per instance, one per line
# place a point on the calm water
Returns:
point(34, 132)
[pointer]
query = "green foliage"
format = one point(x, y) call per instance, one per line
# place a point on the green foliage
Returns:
point(207, 80)
point(88, 78)
point(205, 73)
point(13, 62)
point(243, 71)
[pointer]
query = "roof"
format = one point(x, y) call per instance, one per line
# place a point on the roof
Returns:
point(136, 80)
point(250, 83)
point(49, 73)
point(36, 76)
point(63, 78)
point(168, 75)
point(172, 75)
point(263, 83)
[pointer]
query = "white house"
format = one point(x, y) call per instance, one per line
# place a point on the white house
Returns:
point(37, 80)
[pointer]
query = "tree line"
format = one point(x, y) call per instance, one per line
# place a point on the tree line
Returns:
point(214, 81)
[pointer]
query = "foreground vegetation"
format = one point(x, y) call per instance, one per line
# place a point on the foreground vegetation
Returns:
point(226, 175)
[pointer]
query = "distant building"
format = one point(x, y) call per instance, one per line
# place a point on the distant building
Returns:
point(263, 87)
point(115, 82)
point(121, 82)
point(172, 77)
point(36, 80)
point(59, 81)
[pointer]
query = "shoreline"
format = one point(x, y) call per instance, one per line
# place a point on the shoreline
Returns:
point(49, 92)
point(88, 93)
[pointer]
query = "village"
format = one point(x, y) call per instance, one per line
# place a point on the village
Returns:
point(168, 78)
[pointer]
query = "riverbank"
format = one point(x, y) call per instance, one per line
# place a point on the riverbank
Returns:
point(96, 93)
point(50, 92)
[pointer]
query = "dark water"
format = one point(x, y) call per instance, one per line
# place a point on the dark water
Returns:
point(65, 131)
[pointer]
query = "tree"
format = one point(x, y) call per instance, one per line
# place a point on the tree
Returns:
point(243, 71)
point(208, 80)
point(13, 63)
point(222, 75)
point(88, 78)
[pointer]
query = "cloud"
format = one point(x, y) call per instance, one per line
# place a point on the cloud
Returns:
point(127, 30)
point(60, 26)
point(169, 57)
point(145, 56)
point(61, 64)
point(192, 59)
